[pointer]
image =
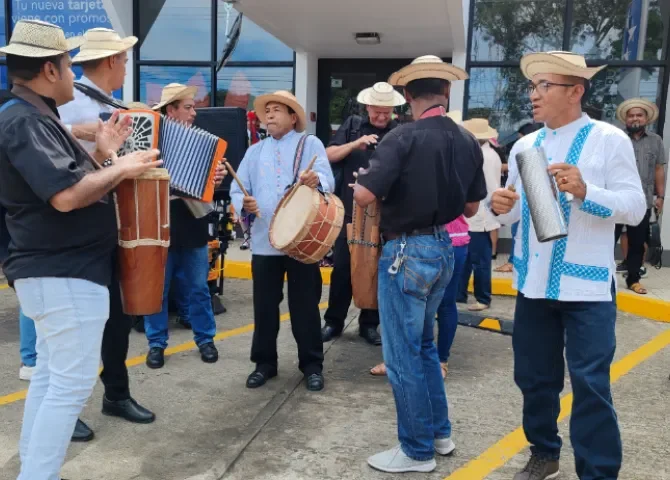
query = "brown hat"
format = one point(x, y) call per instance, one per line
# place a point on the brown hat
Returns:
point(285, 98)
point(37, 39)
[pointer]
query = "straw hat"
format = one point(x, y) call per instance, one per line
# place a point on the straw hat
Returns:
point(381, 94)
point(646, 105)
point(102, 43)
point(37, 39)
point(480, 128)
point(285, 98)
point(138, 106)
point(173, 92)
point(560, 63)
point(456, 116)
point(428, 66)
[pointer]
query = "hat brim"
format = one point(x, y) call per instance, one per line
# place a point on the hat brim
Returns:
point(647, 106)
point(261, 102)
point(456, 116)
point(367, 97)
point(536, 63)
point(95, 54)
point(488, 135)
point(31, 51)
point(182, 94)
point(417, 71)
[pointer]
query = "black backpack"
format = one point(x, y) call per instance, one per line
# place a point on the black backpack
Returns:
point(338, 168)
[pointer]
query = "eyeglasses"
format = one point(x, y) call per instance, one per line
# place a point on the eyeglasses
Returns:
point(543, 87)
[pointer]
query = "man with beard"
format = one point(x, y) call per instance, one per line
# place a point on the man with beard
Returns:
point(350, 149)
point(637, 114)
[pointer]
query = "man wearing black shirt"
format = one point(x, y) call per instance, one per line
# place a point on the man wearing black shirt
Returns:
point(426, 174)
point(187, 255)
point(350, 149)
point(62, 230)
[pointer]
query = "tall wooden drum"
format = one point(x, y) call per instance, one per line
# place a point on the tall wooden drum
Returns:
point(365, 249)
point(143, 218)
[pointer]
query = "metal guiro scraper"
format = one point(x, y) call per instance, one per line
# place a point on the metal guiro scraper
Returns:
point(542, 195)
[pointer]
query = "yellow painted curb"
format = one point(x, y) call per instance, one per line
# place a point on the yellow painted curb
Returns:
point(650, 308)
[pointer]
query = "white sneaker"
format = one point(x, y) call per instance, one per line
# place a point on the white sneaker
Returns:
point(26, 373)
point(444, 446)
point(395, 461)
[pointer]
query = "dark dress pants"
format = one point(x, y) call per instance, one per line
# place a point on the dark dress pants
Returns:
point(304, 294)
point(638, 235)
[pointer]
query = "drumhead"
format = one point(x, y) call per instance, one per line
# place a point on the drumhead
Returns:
point(155, 174)
point(292, 217)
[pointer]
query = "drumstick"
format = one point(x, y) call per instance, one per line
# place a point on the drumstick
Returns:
point(239, 182)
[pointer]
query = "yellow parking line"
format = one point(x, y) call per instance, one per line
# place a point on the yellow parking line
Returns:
point(132, 362)
point(3, 286)
point(512, 444)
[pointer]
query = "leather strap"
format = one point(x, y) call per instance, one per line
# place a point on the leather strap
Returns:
point(297, 160)
point(99, 96)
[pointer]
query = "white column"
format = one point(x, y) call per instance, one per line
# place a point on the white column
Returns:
point(457, 95)
point(120, 14)
point(306, 76)
point(665, 224)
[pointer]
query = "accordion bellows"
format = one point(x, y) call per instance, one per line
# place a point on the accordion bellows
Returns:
point(190, 154)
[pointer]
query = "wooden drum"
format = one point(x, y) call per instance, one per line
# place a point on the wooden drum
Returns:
point(365, 249)
point(306, 224)
point(143, 218)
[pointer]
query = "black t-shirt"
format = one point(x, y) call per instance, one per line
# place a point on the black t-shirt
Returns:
point(358, 158)
point(38, 160)
point(425, 172)
point(186, 231)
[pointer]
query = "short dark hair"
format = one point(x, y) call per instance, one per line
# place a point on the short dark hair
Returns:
point(28, 68)
point(426, 87)
point(175, 104)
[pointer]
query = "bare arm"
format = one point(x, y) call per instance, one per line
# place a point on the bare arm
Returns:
point(90, 189)
point(337, 153)
point(85, 131)
point(471, 209)
point(660, 180)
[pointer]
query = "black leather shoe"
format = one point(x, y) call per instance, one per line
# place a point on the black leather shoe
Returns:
point(370, 335)
point(127, 409)
point(82, 433)
point(208, 352)
point(258, 378)
point(329, 332)
point(314, 382)
point(156, 357)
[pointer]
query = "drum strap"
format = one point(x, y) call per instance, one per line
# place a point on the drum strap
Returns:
point(297, 160)
point(99, 96)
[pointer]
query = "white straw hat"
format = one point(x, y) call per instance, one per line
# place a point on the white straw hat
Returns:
point(480, 128)
point(102, 43)
point(381, 94)
point(427, 66)
point(646, 105)
point(173, 92)
point(37, 39)
point(456, 116)
point(559, 63)
point(285, 98)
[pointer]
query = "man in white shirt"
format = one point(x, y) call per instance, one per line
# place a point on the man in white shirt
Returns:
point(567, 291)
point(480, 249)
point(103, 57)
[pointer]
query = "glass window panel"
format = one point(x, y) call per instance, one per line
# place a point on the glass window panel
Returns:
point(620, 29)
point(176, 30)
point(254, 44)
point(614, 85)
point(3, 34)
point(73, 16)
point(239, 86)
point(153, 79)
point(3, 77)
point(506, 29)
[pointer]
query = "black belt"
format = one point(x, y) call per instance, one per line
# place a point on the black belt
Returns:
point(388, 236)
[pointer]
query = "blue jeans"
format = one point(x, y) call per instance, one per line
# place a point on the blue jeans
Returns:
point(542, 329)
point(28, 340)
point(480, 250)
point(70, 316)
point(408, 302)
point(515, 227)
point(193, 264)
point(447, 313)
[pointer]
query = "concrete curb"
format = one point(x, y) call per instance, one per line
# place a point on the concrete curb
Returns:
point(650, 308)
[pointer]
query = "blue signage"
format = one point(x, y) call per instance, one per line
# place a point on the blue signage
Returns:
point(631, 34)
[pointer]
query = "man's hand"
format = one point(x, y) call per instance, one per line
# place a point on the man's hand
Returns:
point(569, 179)
point(503, 200)
point(111, 135)
point(363, 142)
point(86, 131)
point(136, 163)
point(311, 179)
point(658, 203)
point(359, 172)
point(220, 173)
point(250, 206)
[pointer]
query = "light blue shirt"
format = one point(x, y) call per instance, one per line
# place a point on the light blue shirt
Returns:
point(266, 170)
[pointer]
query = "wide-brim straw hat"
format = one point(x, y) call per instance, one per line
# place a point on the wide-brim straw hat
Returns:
point(285, 98)
point(559, 63)
point(646, 105)
point(138, 106)
point(381, 94)
point(102, 43)
point(480, 128)
point(173, 92)
point(37, 39)
point(427, 66)
point(456, 116)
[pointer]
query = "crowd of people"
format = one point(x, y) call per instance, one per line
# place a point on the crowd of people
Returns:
point(437, 179)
